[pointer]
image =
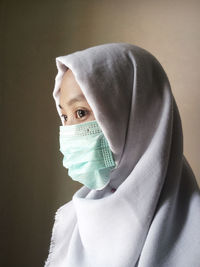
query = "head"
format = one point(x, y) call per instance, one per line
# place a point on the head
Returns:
point(73, 104)
point(127, 92)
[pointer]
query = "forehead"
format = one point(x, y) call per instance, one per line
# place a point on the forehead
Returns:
point(69, 85)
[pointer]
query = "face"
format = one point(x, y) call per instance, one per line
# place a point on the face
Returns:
point(73, 104)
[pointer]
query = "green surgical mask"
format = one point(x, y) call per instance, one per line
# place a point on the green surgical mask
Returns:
point(87, 155)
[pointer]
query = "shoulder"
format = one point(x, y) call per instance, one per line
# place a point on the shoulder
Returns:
point(65, 211)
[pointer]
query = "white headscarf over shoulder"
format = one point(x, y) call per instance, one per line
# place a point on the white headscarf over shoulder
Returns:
point(153, 217)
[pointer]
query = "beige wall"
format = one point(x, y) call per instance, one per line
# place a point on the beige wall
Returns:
point(33, 33)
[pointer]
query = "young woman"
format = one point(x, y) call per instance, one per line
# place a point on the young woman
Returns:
point(121, 137)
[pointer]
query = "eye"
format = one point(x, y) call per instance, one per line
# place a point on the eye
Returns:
point(81, 113)
point(64, 117)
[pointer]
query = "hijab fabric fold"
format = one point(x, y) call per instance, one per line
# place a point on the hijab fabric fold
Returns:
point(152, 217)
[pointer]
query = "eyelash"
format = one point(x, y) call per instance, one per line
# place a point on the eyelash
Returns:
point(77, 116)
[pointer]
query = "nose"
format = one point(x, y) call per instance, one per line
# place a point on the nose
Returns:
point(71, 121)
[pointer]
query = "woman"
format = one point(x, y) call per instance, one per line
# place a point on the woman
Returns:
point(121, 137)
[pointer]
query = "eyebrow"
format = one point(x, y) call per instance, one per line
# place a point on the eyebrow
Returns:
point(78, 98)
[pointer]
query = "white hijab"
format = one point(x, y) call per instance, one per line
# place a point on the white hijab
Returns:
point(153, 217)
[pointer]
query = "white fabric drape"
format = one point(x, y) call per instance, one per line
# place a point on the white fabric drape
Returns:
point(153, 217)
